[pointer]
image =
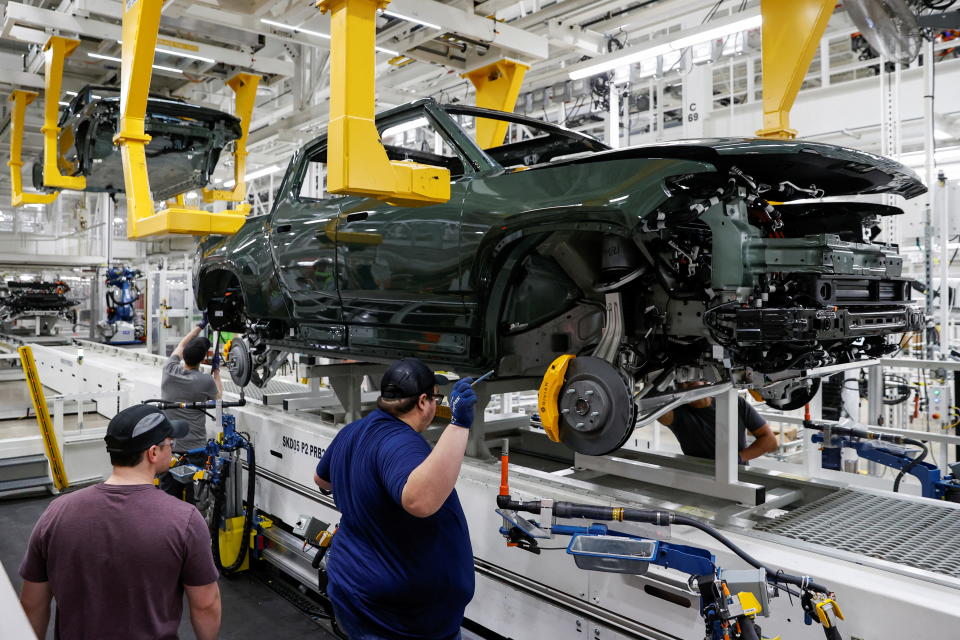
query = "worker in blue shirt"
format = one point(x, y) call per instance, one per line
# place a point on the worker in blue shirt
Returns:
point(401, 564)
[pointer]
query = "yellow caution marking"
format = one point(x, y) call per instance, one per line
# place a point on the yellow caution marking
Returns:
point(50, 444)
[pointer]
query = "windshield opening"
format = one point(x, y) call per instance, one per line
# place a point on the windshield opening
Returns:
point(528, 143)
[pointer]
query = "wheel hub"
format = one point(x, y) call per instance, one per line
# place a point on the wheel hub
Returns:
point(596, 408)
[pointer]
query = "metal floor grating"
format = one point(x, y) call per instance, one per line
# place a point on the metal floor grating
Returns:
point(256, 393)
point(917, 534)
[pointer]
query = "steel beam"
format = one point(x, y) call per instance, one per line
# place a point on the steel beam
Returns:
point(19, 14)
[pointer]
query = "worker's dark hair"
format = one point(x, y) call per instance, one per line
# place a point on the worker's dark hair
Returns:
point(397, 406)
point(126, 458)
point(195, 351)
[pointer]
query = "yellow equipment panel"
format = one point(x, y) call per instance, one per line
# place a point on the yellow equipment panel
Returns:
point(498, 86)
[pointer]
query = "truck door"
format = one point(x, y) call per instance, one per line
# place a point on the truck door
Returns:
point(303, 241)
point(400, 265)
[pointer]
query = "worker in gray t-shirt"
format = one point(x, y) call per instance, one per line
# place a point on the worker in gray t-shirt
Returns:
point(184, 382)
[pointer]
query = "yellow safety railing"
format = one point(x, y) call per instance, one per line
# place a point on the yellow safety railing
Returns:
point(141, 21)
point(50, 444)
point(55, 53)
point(791, 34)
point(18, 197)
point(498, 86)
point(357, 162)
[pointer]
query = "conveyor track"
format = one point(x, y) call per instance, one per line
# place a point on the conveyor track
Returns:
point(920, 534)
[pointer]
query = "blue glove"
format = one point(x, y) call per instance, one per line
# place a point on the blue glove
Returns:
point(215, 362)
point(462, 401)
point(203, 323)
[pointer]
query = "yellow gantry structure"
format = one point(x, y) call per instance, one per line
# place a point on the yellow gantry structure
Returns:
point(357, 163)
point(244, 87)
point(791, 34)
point(498, 86)
point(18, 197)
point(55, 52)
point(141, 21)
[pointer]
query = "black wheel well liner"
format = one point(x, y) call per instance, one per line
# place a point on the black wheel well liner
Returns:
point(498, 258)
point(214, 280)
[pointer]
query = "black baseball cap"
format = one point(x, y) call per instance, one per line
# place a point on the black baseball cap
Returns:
point(409, 377)
point(141, 426)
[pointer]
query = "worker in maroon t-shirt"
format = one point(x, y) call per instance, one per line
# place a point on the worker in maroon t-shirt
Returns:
point(119, 555)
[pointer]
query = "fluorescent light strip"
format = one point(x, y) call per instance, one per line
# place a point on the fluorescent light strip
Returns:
point(113, 59)
point(309, 32)
point(180, 53)
point(185, 55)
point(253, 175)
point(394, 14)
point(290, 27)
point(675, 45)
point(70, 93)
point(66, 104)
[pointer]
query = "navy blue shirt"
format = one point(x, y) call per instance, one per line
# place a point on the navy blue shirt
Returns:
point(402, 576)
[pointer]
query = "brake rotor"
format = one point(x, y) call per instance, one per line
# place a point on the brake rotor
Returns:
point(239, 363)
point(597, 412)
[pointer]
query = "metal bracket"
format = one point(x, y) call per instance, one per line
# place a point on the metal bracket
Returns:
point(18, 198)
point(141, 21)
point(497, 85)
point(357, 162)
point(612, 335)
point(55, 53)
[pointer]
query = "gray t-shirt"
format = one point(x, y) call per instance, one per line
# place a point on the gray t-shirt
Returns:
point(117, 558)
point(695, 427)
point(180, 384)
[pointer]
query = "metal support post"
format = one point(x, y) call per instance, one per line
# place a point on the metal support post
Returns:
point(812, 461)
point(726, 428)
point(930, 165)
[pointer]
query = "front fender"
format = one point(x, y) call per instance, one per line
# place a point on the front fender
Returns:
point(247, 256)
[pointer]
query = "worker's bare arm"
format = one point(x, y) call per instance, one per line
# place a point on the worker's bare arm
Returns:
point(204, 610)
point(185, 341)
point(666, 419)
point(430, 484)
point(765, 443)
point(323, 484)
point(217, 381)
point(35, 599)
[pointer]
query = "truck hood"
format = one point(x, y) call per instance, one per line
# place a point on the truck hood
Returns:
point(838, 171)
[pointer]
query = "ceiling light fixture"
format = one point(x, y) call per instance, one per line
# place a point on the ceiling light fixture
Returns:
point(679, 44)
point(290, 27)
point(100, 56)
point(253, 175)
point(186, 55)
point(394, 14)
